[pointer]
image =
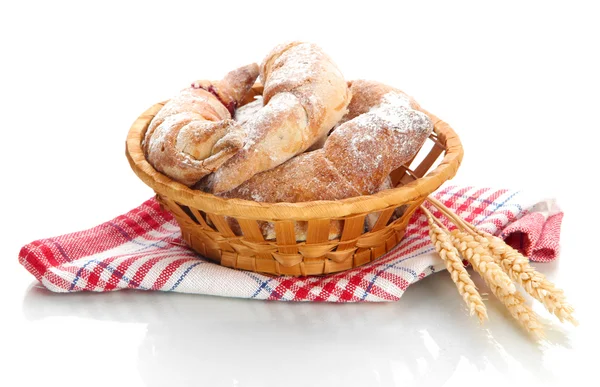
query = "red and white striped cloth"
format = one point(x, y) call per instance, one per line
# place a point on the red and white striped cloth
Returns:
point(143, 249)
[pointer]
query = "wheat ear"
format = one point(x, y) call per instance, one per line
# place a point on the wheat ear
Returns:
point(514, 301)
point(535, 283)
point(482, 261)
point(466, 288)
point(518, 268)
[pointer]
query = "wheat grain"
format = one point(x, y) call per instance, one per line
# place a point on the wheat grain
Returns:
point(458, 273)
point(513, 300)
point(482, 261)
point(515, 303)
point(535, 283)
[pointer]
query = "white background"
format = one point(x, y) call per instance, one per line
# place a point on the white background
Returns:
point(518, 81)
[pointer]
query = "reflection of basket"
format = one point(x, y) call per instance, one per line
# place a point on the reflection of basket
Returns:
point(204, 226)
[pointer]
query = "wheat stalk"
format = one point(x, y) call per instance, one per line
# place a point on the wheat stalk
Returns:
point(479, 247)
point(518, 268)
point(458, 273)
point(535, 283)
point(472, 250)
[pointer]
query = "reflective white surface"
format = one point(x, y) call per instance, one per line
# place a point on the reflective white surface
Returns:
point(158, 339)
point(519, 84)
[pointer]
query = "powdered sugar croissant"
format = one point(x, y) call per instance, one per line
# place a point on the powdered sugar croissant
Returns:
point(382, 131)
point(304, 96)
point(193, 134)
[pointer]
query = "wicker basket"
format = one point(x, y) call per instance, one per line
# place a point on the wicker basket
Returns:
point(205, 228)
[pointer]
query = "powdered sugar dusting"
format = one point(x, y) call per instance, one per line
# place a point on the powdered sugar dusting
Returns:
point(296, 66)
point(177, 120)
point(368, 147)
point(306, 177)
point(356, 158)
point(393, 112)
point(304, 95)
point(258, 123)
point(396, 99)
point(244, 113)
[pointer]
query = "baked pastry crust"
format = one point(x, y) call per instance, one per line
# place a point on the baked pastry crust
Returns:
point(381, 132)
point(304, 96)
point(193, 134)
point(356, 158)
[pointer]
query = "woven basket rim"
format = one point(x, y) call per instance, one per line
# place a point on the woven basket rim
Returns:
point(239, 208)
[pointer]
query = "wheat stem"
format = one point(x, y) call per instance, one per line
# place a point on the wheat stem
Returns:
point(458, 273)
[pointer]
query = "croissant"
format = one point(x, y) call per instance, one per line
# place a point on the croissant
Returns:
point(193, 134)
point(356, 158)
point(304, 96)
point(381, 131)
point(376, 110)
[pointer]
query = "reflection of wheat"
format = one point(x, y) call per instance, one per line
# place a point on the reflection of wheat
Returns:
point(514, 301)
point(499, 265)
point(458, 273)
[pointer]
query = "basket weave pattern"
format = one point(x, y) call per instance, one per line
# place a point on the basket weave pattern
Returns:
point(205, 219)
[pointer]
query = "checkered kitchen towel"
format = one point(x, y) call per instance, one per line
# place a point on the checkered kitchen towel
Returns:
point(143, 249)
